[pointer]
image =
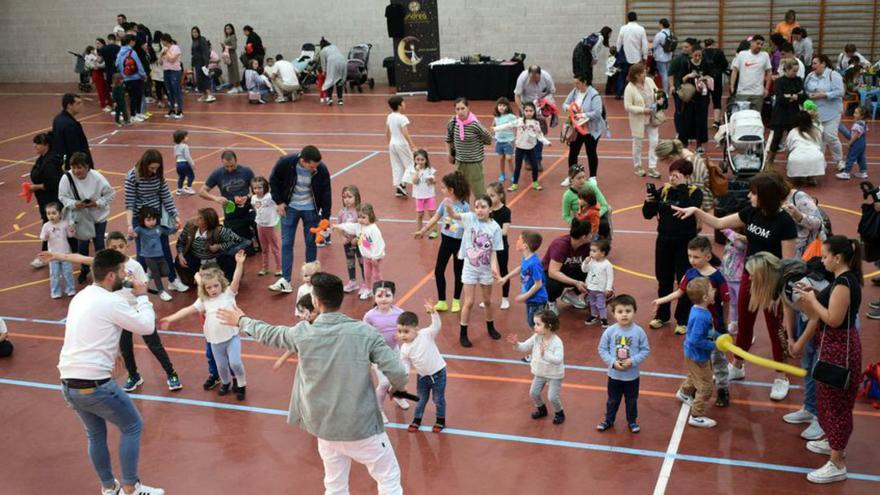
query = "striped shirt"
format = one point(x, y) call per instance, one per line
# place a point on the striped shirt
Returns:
point(471, 148)
point(301, 198)
point(190, 241)
point(147, 191)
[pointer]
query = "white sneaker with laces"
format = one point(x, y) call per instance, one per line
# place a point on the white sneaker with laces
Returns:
point(861, 175)
point(684, 398)
point(505, 303)
point(165, 296)
point(111, 491)
point(280, 99)
point(842, 176)
point(140, 489)
point(401, 403)
point(779, 391)
point(813, 432)
point(210, 99)
point(108, 108)
point(137, 119)
point(365, 294)
point(702, 422)
point(37, 263)
point(572, 299)
point(799, 416)
point(189, 190)
point(233, 91)
point(565, 183)
point(178, 286)
point(819, 447)
point(281, 285)
point(736, 373)
point(829, 473)
point(841, 165)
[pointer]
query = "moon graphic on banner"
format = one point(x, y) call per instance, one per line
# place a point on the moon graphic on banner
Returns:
point(406, 51)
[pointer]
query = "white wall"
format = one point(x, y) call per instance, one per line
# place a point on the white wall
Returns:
point(35, 35)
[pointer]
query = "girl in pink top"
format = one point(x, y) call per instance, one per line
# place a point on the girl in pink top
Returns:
point(383, 317)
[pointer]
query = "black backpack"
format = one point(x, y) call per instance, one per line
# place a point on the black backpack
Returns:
point(670, 43)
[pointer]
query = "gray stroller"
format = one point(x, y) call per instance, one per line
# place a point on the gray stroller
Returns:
point(358, 67)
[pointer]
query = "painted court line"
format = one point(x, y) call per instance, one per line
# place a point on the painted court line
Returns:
point(353, 165)
point(482, 435)
point(458, 357)
point(672, 450)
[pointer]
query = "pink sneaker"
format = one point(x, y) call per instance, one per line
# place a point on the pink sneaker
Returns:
point(351, 286)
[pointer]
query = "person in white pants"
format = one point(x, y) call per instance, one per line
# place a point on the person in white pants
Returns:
point(400, 145)
point(639, 100)
point(333, 397)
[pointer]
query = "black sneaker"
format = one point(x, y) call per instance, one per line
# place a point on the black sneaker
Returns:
point(83, 274)
point(559, 418)
point(211, 382)
point(240, 393)
point(224, 388)
point(400, 192)
point(634, 427)
point(723, 398)
point(526, 359)
point(604, 425)
point(591, 321)
point(540, 412)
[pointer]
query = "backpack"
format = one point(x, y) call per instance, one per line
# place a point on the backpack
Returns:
point(590, 41)
point(670, 43)
point(870, 387)
point(129, 64)
point(826, 221)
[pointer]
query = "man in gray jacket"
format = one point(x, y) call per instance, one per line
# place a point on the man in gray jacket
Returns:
point(333, 396)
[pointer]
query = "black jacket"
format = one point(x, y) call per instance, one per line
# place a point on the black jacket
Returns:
point(785, 111)
point(256, 43)
point(69, 137)
point(668, 226)
point(283, 180)
point(47, 171)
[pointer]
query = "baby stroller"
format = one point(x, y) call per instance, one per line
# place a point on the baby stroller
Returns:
point(85, 76)
point(306, 66)
point(358, 67)
point(742, 140)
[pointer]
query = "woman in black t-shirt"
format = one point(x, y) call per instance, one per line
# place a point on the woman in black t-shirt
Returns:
point(768, 228)
point(833, 312)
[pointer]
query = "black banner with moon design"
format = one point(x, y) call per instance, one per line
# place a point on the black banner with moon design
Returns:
point(419, 47)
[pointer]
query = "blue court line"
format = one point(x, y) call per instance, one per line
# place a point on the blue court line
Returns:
point(483, 359)
point(353, 165)
point(485, 435)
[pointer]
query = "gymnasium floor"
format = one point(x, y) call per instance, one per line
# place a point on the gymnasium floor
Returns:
point(197, 442)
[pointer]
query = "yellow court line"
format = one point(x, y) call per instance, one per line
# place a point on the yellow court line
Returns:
point(20, 241)
point(227, 131)
point(18, 217)
point(15, 227)
point(837, 208)
point(28, 234)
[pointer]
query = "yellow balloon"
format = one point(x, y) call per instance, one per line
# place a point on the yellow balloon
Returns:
point(725, 343)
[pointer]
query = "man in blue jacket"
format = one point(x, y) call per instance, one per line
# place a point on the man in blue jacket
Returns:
point(128, 64)
point(300, 186)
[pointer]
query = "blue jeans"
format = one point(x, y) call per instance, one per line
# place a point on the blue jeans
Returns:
point(57, 271)
point(166, 251)
point(174, 90)
point(95, 407)
point(431, 385)
point(808, 360)
point(531, 309)
point(857, 153)
point(83, 246)
point(663, 70)
point(288, 235)
point(622, 77)
point(532, 156)
point(617, 390)
point(227, 355)
point(185, 171)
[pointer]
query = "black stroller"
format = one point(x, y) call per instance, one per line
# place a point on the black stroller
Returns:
point(85, 76)
point(306, 66)
point(358, 67)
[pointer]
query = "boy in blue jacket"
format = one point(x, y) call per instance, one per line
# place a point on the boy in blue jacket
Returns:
point(699, 343)
point(129, 65)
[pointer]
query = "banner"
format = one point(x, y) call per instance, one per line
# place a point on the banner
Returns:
point(419, 46)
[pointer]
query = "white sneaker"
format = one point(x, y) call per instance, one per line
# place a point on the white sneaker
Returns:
point(112, 491)
point(819, 447)
point(165, 296)
point(572, 299)
point(684, 398)
point(779, 391)
point(365, 294)
point(861, 175)
point(482, 305)
point(505, 303)
point(137, 119)
point(140, 489)
point(210, 99)
point(841, 165)
point(38, 263)
point(206, 71)
point(177, 116)
point(702, 422)
point(178, 286)
point(189, 190)
point(108, 108)
point(233, 91)
point(565, 183)
point(142, 117)
point(280, 99)
point(401, 403)
point(799, 416)
point(829, 473)
point(842, 176)
point(813, 432)
point(178, 192)
point(281, 285)
point(735, 373)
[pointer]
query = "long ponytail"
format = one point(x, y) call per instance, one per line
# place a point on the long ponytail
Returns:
point(850, 250)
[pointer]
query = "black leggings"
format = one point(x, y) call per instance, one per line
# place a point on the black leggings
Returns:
point(574, 150)
point(353, 258)
point(503, 258)
point(449, 246)
point(340, 87)
point(670, 263)
point(153, 342)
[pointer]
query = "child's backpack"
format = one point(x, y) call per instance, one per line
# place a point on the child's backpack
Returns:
point(670, 43)
point(870, 388)
point(826, 221)
point(129, 64)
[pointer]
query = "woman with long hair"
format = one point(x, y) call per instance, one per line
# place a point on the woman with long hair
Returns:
point(230, 58)
point(201, 56)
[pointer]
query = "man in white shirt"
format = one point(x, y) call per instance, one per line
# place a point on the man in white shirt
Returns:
point(284, 80)
point(751, 69)
point(95, 319)
point(633, 40)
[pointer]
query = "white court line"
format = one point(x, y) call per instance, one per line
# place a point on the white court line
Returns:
point(672, 450)
point(35, 156)
point(353, 165)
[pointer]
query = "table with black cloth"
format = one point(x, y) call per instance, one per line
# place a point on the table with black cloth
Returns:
point(473, 81)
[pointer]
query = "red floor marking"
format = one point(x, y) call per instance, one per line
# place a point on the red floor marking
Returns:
point(406, 297)
point(469, 376)
point(546, 171)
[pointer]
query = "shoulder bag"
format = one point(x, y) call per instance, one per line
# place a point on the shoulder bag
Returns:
point(831, 374)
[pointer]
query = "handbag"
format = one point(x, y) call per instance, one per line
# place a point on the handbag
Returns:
point(831, 374)
point(717, 180)
point(82, 222)
point(225, 56)
point(568, 134)
point(657, 118)
point(686, 92)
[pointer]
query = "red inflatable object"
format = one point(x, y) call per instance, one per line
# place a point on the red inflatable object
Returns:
point(26, 193)
point(579, 125)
